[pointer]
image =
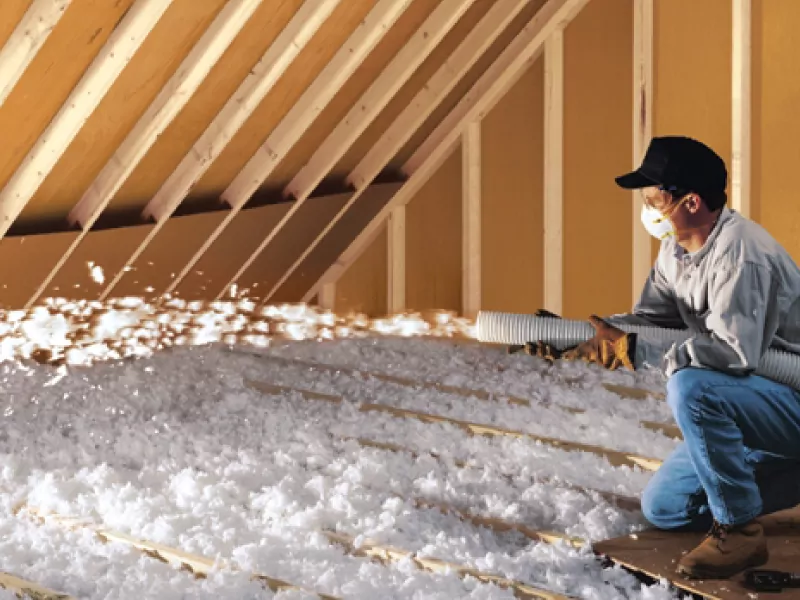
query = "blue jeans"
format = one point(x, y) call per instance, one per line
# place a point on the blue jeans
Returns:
point(740, 457)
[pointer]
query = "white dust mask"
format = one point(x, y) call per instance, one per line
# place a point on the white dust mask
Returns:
point(657, 225)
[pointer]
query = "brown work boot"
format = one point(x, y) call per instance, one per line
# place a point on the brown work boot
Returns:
point(726, 551)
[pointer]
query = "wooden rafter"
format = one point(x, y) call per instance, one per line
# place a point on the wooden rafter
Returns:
point(741, 162)
point(419, 109)
point(363, 112)
point(27, 39)
point(471, 220)
point(169, 102)
point(491, 86)
point(642, 253)
point(554, 172)
point(261, 79)
point(91, 89)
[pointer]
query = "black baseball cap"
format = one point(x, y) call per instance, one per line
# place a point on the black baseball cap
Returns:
point(679, 162)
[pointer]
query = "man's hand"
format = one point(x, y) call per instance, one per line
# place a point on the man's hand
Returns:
point(539, 349)
point(610, 347)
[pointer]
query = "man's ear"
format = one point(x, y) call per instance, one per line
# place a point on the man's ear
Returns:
point(693, 202)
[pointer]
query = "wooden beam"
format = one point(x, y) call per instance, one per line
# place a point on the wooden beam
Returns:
point(502, 526)
point(258, 83)
point(363, 112)
point(169, 102)
point(396, 271)
point(642, 133)
point(27, 39)
point(387, 554)
point(303, 113)
point(614, 457)
point(327, 297)
point(554, 172)
point(471, 193)
point(200, 566)
point(115, 55)
point(436, 90)
point(492, 85)
point(28, 589)
point(741, 163)
point(418, 110)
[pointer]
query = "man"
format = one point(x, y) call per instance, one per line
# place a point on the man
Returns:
point(737, 291)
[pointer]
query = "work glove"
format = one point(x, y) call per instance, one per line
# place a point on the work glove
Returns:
point(539, 349)
point(610, 347)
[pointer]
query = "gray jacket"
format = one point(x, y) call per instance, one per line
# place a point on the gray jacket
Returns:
point(738, 295)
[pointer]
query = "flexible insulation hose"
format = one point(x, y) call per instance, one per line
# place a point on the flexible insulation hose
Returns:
point(514, 328)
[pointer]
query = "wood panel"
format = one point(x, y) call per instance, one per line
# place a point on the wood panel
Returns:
point(109, 249)
point(370, 69)
point(335, 242)
point(229, 252)
point(173, 144)
point(692, 87)
point(512, 210)
point(458, 92)
point(362, 288)
point(25, 262)
point(52, 74)
point(308, 64)
point(280, 254)
point(166, 254)
point(775, 127)
point(597, 146)
point(406, 93)
point(140, 82)
point(433, 241)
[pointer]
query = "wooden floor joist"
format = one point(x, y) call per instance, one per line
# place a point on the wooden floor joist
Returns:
point(386, 554)
point(624, 502)
point(499, 525)
point(199, 566)
point(615, 457)
point(27, 589)
point(665, 428)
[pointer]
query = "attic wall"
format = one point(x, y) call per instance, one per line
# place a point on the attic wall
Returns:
point(692, 96)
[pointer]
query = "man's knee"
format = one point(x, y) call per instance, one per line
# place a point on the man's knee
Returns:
point(659, 506)
point(687, 388)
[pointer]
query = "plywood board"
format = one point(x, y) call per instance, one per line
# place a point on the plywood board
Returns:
point(166, 254)
point(775, 131)
point(334, 243)
point(223, 80)
point(139, 83)
point(406, 93)
point(309, 63)
point(433, 241)
point(656, 553)
point(108, 249)
point(597, 147)
point(692, 90)
point(52, 75)
point(25, 261)
point(276, 258)
point(229, 251)
point(343, 101)
point(362, 288)
point(455, 96)
point(512, 211)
